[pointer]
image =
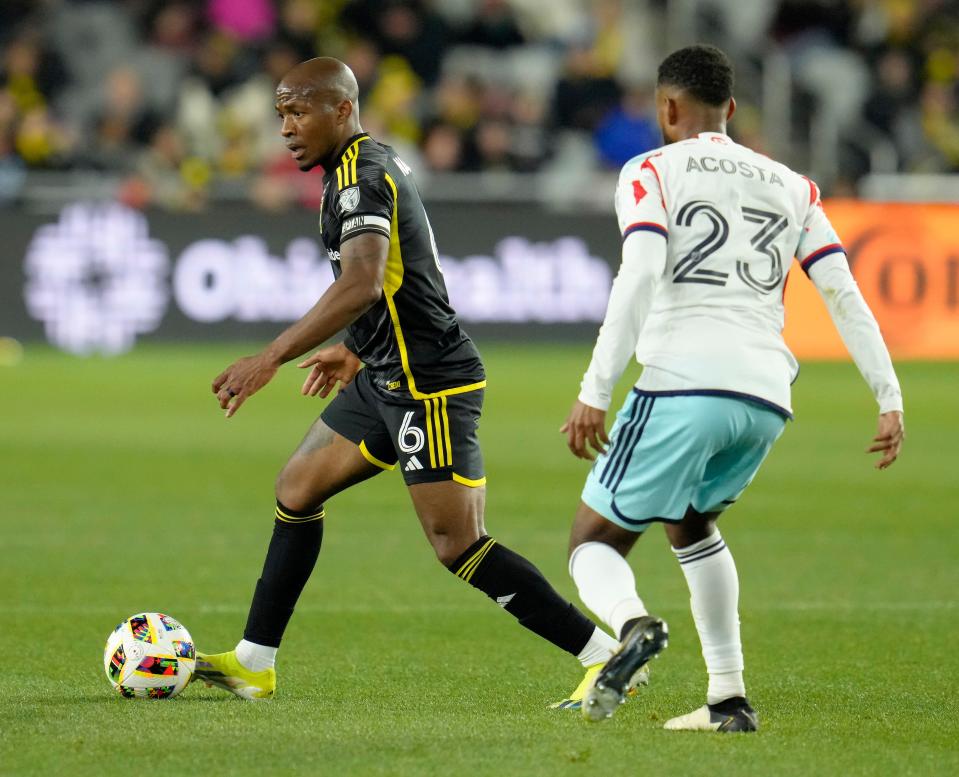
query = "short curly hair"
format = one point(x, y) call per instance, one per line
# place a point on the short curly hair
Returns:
point(703, 71)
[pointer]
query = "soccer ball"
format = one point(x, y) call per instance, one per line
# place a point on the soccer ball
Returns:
point(149, 656)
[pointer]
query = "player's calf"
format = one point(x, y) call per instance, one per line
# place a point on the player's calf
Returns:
point(290, 558)
point(519, 587)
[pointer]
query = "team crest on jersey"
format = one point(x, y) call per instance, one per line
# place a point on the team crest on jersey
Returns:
point(349, 199)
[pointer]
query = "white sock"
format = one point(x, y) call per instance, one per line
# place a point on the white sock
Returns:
point(599, 648)
point(255, 657)
point(714, 599)
point(606, 584)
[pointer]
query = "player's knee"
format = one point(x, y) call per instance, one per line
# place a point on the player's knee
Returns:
point(449, 544)
point(694, 528)
point(298, 502)
point(293, 493)
point(447, 550)
point(590, 526)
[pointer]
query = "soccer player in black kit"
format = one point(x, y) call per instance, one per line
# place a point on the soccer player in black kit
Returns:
point(415, 404)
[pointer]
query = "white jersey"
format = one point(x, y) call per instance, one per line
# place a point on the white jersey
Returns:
point(710, 229)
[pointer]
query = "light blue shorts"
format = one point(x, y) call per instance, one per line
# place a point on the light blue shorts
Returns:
point(671, 452)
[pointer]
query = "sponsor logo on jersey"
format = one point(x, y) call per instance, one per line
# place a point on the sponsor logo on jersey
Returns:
point(413, 464)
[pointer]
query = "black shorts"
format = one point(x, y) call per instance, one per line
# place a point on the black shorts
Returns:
point(431, 439)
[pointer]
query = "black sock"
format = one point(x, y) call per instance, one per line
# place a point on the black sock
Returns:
point(292, 554)
point(520, 588)
point(730, 706)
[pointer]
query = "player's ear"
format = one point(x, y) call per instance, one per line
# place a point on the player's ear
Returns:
point(672, 111)
point(343, 111)
point(731, 109)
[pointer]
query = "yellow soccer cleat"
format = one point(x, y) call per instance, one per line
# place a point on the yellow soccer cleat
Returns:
point(575, 700)
point(224, 671)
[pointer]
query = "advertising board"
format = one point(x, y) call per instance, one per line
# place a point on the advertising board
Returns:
point(100, 277)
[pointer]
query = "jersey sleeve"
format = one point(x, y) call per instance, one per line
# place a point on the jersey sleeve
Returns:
point(630, 300)
point(641, 212)
point(822, 257)
point(640, 203)
point(818, 238)
point(858, 329)
point(365, 200)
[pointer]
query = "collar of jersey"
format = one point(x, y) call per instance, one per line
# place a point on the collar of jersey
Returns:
point(709, 135)
point(349, 143)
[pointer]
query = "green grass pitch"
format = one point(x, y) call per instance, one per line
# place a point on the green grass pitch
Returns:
point(124, 489)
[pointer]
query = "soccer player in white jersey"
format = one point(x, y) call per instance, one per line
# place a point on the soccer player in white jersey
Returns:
point(709, 229)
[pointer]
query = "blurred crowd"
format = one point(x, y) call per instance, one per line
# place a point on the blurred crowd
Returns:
point(885, 71)
point(175, 97)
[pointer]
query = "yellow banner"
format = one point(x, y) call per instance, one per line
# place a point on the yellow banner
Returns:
point(906, 260)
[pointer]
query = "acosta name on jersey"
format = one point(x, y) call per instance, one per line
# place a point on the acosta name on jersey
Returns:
point(710, 164)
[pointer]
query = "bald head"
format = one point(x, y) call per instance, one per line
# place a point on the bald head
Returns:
point(317, 102)
point(324, 80)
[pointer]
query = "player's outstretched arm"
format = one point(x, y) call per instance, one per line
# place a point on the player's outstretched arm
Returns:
point(359, 287)
point(888, 439)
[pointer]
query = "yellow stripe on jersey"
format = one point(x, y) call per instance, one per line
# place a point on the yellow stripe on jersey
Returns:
point(346, 172)
point(343, 171)
point(392, 281)
point(457, 390)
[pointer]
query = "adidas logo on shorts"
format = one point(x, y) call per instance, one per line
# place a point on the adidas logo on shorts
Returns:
point(412, 464)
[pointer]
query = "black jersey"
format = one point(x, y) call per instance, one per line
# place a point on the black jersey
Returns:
point(410, 339)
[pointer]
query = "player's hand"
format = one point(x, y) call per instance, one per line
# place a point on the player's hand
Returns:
point(888, 439)
point(584, 425)
point(330, 365)
point(242, 380)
